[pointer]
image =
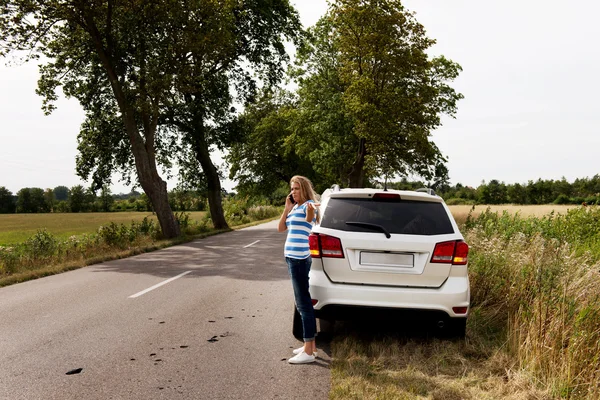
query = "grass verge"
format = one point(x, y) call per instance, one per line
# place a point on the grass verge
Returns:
point(534, 324)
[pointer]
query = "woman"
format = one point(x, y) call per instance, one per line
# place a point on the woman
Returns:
point(298, 218)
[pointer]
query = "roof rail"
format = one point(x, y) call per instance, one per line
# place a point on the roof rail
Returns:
point(335, 188)
point(427, 190)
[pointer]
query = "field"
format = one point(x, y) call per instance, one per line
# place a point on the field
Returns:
point(16, 228)
point(460, 212)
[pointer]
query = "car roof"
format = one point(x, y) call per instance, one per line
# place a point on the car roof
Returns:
point(370, 192)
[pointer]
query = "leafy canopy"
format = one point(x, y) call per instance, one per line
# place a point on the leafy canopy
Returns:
point(369, 89)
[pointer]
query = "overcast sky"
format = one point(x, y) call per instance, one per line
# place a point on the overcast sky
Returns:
point(530, 81)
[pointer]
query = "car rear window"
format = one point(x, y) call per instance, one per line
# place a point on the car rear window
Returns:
point(407, 217)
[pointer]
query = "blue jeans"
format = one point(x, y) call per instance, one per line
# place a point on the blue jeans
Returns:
point(298, 270)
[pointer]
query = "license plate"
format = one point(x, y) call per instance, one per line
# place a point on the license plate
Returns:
point(389, 260)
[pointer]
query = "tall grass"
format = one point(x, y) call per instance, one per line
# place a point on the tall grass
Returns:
point(534, 325)
point(539, 278)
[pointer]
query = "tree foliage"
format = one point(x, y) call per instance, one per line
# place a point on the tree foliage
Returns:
point(370, 94)
point(108, 56)
point(31, 200)
point(540, 191)
point(61, 193)
point(146, 72)
point(7, 202)
point(265, 154)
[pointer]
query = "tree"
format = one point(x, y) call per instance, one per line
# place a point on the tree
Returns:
point(516, 194)
point(493, 193)
point(377, 83)
point(264, 157)
point(31, 200)
point(77, 199)
point(145, 72)
point(233, 48)
point(106, 199)
point(7, 202)
point(38, 201)
point(24, 203)
point(61, 193)
point(49, 199)
point(108, 56)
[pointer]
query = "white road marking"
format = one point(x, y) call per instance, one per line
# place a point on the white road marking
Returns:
point(158, 285)
point(253, 243)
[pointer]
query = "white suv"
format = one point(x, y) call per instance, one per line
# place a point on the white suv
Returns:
point(381, 250)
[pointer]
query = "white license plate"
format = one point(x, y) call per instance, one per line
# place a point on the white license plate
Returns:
point(389, 260)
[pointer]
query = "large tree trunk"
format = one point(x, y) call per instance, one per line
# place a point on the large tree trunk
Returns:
point(156, 189)
point(153, 185)
point(143, 149)
point(202, 154)
point(356, 177)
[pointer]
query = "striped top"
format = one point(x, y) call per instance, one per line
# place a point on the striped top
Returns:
point(296, 244)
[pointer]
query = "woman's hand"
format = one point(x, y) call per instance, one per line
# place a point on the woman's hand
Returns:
point(314, 206)
point(311, 210)
point(289, 204)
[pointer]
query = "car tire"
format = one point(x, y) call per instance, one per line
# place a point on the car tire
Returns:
point(326, 327)
point(456, 328)
point(297, 325)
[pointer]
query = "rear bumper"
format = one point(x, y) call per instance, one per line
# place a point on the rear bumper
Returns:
point(339, 301)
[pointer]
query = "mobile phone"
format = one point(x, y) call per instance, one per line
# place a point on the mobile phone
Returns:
point(292, 199)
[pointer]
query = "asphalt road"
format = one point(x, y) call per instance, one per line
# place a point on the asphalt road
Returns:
point(217, 327)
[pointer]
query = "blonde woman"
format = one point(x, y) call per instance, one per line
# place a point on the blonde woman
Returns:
point(300, 214)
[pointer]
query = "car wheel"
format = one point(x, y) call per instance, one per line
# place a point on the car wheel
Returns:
point(297, 325)
point(457, 328)
point(326, 327)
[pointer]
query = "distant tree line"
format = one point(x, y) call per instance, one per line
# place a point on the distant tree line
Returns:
point(582, 190)
point(62, 199)
point(79, 199)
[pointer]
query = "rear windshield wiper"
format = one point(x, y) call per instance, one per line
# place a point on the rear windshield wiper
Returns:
point(370, 226)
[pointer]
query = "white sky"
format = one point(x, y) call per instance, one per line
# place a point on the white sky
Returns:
point(530, 82)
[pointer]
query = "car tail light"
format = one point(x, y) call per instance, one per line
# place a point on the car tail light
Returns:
point(461, 253)
point(443, 252)
point(458, 310)
point(315, 301)
point(325, 246)
point(313, 243)
point(455, 252)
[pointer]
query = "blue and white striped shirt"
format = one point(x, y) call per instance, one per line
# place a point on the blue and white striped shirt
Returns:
point(296, 244)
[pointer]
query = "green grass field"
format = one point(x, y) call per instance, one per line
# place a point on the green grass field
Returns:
point(16, 228)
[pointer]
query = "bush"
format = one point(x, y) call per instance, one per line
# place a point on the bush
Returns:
point(235, 209)
point(122, 236)
point(563, 199)
point(146, 227)
point(183, 220)
point(9, 260)
point(455, 201)
point(41, 245)
point(258, 213)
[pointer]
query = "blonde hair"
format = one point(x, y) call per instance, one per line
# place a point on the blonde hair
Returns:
point(306, 190)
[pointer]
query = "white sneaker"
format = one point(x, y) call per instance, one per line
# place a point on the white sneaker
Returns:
point(302, 358)
point(301, 349)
